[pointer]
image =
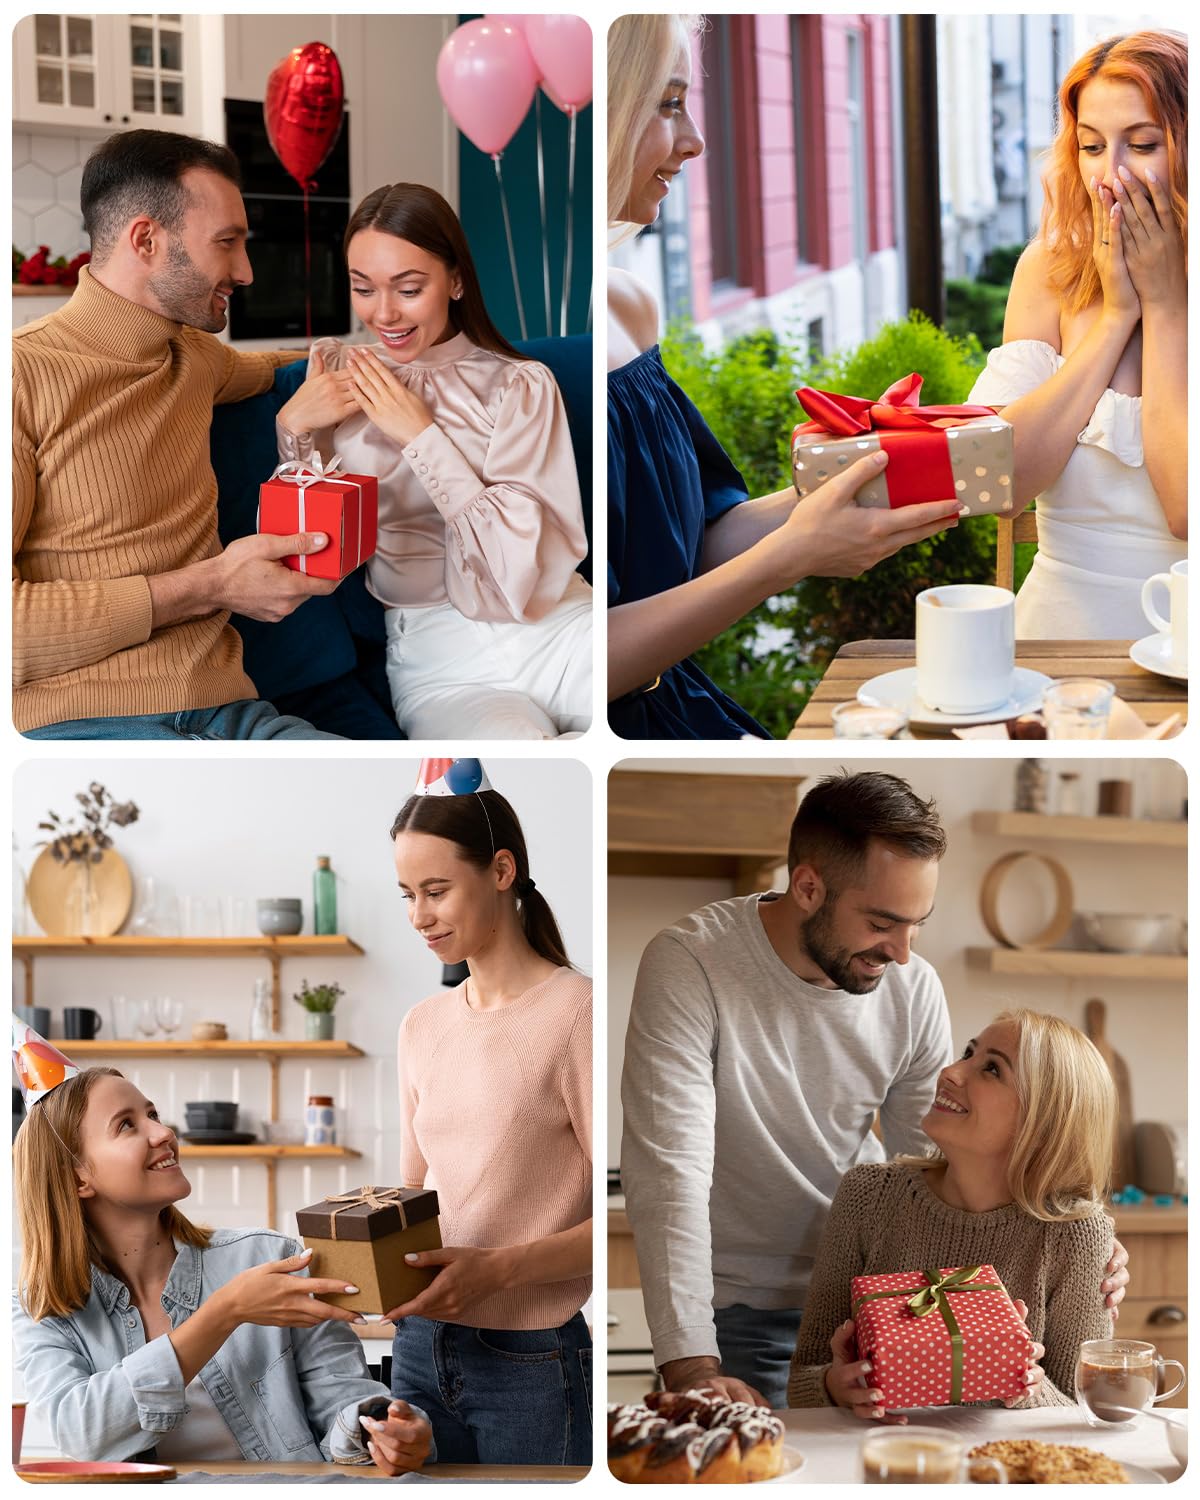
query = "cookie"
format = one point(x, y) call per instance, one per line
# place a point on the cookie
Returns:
point(1014, 1453)
point(1060, 1463)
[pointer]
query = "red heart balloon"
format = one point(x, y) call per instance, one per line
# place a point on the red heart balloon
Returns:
point(304, 107)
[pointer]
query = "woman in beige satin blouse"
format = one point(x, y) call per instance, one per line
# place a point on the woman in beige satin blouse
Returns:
point(480, 520)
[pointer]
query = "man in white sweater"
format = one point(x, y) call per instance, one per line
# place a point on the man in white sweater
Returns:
point(765, 1035)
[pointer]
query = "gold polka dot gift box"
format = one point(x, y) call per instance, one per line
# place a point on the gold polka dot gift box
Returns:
point(940, 1337)
point(962, 453)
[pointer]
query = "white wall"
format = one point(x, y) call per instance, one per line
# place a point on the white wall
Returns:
point(254, 828)
point(1147, 1023)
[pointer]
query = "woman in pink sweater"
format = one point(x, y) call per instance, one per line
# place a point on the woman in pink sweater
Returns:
point(496, 1115)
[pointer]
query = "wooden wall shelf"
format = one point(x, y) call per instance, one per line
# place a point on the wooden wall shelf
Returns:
point(266, 1152)
point(336, 945)
point(213, 1051)
point(1128, 831)
point(1073, 965)
point(678, 823)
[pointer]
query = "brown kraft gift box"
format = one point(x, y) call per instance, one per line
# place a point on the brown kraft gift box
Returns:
point(364, 1236)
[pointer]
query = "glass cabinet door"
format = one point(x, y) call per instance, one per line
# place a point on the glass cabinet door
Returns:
point(58, 64)
point(159, 87)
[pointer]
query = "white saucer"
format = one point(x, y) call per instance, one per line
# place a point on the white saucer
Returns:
point(793, 1462)
point(1154, 652)
point(899, 690)
point(1141, 1475)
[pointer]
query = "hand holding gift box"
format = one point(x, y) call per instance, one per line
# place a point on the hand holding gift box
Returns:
point(363, 1237)
point(310, 495)
point(962, 453)
point(941, 1337)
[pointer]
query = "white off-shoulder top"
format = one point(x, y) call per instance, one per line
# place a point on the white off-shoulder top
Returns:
point(1101, 529)
point(482, 509)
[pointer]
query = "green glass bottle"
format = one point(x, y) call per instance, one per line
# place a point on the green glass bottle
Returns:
point(324, 897)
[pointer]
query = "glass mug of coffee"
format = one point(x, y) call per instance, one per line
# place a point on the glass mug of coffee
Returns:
point(1117, 1379)
point(924, 1455)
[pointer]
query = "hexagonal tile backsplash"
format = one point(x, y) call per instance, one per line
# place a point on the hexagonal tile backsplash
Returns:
point(45, 192)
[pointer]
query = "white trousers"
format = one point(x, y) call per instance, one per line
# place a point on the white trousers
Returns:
point(454, 678)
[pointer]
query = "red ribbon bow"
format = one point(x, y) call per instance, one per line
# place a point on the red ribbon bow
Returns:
point(910, 434)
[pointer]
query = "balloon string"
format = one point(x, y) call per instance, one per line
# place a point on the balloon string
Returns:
point(566, 286)
point(307, 272)
point(512, 254)
point(541, 169)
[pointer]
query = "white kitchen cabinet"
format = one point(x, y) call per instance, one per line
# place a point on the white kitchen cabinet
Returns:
point(105, 73)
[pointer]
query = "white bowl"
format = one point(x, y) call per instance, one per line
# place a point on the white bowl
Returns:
point(793, 1462)
point(1116, 932)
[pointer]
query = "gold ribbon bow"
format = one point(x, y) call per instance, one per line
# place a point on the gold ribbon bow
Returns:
point(372, 1197)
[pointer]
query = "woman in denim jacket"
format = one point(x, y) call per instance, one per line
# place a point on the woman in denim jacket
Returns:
point(140, 1334)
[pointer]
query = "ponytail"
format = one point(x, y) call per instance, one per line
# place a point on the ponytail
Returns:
point(538, 924)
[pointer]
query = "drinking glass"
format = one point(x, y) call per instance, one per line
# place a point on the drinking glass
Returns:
point(924, 1455)
point(868, 721)
point(235, 917)
point(201, 917)
point(122, 1017)
point(147, 916)
point(146, 1022)
point(169, 1013)
point(1077, 708)
point(1116, 1380)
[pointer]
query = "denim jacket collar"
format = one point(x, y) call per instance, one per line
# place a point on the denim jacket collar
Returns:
point(182, 1290)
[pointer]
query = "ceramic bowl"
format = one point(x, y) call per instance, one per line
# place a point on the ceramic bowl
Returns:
point(280, 918)
point(215, 1114)
point(1115, 932)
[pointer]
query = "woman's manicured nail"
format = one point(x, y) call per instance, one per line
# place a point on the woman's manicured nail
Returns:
point(865, 1368)
point(1123, 173)
point(351, 1289)
point(412, 1258)
point(1150, 177)
point(1093, 185)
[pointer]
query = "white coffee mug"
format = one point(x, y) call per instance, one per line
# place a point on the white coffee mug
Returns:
point(1176, 623)
point(966, 643)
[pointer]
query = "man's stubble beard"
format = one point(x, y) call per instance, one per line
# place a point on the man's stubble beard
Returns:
point(816, 936)
point(184, 294)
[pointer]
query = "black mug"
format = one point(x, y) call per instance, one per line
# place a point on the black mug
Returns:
point(80, 1024)
point(37, 1016)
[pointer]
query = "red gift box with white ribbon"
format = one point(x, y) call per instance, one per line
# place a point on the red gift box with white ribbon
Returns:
point(309, 495)
point(940, 1337)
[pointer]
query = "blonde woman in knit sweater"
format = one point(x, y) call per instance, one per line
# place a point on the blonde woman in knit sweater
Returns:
point(489, 626)
point(496, 1115)
point(1022, 1124)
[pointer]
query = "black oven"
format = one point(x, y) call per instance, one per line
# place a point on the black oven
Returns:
point(272, 307)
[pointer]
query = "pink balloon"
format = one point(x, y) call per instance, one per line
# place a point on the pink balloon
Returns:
point(516, 22)
point(487, 81)
point(562, 50)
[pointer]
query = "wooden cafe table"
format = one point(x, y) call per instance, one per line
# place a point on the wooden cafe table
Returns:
point(1152, 698)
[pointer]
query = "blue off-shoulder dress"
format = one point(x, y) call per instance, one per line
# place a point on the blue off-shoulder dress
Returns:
point(668, 477)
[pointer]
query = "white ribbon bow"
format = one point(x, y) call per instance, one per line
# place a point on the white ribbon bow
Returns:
point(306, 471)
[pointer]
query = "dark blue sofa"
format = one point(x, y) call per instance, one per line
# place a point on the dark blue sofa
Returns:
point(325, 662)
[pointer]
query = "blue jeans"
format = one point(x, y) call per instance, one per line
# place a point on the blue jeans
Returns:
point(248, 719)
point(499, 1396)
point(757, 1347)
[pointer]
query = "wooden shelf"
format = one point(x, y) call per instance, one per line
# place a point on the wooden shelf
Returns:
point(334, 946)
point(1128, 831)
point(1072, 965)
point(213, 1051)
point(265, 1151)
point(700, 825)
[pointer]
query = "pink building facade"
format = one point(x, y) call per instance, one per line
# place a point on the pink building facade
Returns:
point(791, 213)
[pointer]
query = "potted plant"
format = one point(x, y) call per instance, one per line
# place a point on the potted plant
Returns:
point(319, 1001)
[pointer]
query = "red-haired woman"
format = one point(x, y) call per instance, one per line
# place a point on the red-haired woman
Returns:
point(1092, 373)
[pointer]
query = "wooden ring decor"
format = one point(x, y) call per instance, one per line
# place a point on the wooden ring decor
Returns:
point(1064, 911)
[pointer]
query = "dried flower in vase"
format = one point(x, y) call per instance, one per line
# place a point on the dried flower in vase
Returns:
point(85, 836)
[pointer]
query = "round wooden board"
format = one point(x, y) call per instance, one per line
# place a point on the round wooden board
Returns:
point(51, 885)
point(1064, 910)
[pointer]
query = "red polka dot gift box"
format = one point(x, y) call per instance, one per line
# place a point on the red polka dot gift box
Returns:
point(940, 1337)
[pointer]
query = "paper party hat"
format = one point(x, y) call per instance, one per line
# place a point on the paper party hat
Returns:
point(451, 778)
point(40, 1067)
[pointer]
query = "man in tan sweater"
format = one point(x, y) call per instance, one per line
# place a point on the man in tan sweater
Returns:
point(121, 590)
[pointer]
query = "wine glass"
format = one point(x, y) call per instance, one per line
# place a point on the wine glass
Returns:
point(146, 1022)
point(169, 1013)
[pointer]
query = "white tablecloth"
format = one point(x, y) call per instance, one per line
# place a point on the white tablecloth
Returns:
point(829, 1438)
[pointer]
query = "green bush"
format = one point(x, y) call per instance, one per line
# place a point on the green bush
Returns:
point(770, 660)
point(999, 265)
point(976, 307)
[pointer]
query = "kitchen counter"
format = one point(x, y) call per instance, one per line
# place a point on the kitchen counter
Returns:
point(829, 1438)
point(535, 1473)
